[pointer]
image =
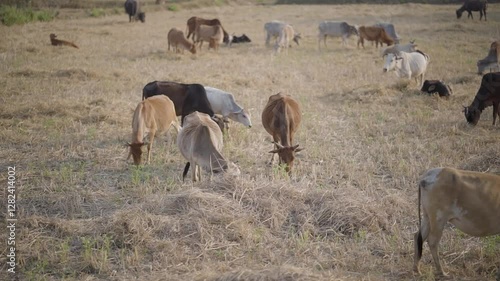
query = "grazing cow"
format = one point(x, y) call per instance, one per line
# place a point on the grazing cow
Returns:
point(57, 42)
point(490, 62)
point(410, 47)
point(213, 34)
point(372, 33)
point(223, 103)
point(240, 39)
point(335, 29)
point(473, 5)
point(408, 65)
point(176, 38)
point(390, 30)
point(154, 115)
point(187, 98)
point(194, 22)
point(273, 30)
point(281, 118)
point(436, 86)
point(133, 9)
point(200, 142)
point(283, 42)
point(468, 200)
point(487, 95)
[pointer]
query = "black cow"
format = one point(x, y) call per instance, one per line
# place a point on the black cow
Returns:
point(133, 9)
point(487, 95)
point(240, 39)
point(473, 5)
point(436, 86)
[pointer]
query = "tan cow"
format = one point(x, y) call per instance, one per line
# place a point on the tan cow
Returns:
point(194, 22)
point(469, 200)
point(154, 115)
point(200, 142)
point(373, 33)
point(281, 118)
point(178, 42)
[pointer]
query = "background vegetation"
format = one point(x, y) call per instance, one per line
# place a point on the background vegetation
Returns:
point(349, 211)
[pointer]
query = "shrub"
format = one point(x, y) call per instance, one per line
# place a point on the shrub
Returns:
point(173, 8)
point(97, 12)
point(11, 15)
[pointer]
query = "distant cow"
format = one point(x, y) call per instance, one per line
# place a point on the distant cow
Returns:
point(490, 62)
point(473, 5)
point(187, 98)
point(408, 65)
point(487, 95)
point(133, 9)
point(468, 200)
point(335, 29)
point(436, 86)
point(200, 142)
point(390, 30)
point(372, 33)
point(194, 22)
point(273, 30)
point(213, 34)
point(286, 34)
point(178, 42)
point(223, 103)
point(240, 39)
point(154, 115)
point(281, 118)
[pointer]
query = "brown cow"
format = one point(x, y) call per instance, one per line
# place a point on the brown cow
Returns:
point(468, 200)
point(373, 33)
point(281, 118)
point(153, 115)
point(194, 22)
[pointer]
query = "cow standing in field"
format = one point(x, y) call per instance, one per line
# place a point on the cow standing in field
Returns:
point(178, 42)
point(194, 22)
point(274, 29)
point(468, 200)
point(281, 118)
point(223, 103)
point(408, 65)
point(473, 5)
point(487, 95)
point(133, 9)
point(285, 36)
point(154, 115)
point(200, 142)
point(372, 33)
point(335, 29)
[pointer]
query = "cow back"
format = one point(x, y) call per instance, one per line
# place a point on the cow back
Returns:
point(175, 91)
point(281, 117)
point(196, 100)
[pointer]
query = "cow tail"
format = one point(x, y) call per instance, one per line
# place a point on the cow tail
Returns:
point(186, 169)
point(419, 240)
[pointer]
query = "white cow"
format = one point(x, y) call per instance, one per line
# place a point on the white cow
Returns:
point(223, 103)
point(335, 29)
point(407, 65)
point(273, 29)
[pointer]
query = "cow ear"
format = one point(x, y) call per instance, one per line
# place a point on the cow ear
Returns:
point(275, 151)
point(432, 88)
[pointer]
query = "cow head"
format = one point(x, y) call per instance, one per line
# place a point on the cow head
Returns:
point(459, 13)
point(242, 117)
point(296, 38)
point(193, 49)
point(142, 16)
point(352, 31)
point(472, 115)
point(392, 61)
point(136, 152)
point(286, 155)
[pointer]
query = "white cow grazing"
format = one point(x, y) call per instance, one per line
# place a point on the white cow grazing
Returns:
point(200, 142)
point(273, 29)
point(468, 200)
point(407, 65)
point(223, 103)
point(335, 29)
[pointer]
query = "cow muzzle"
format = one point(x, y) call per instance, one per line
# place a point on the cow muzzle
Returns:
point(385, 69)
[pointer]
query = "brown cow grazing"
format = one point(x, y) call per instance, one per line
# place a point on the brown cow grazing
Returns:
point(194, 22)
point(153, 115)
point(178, 42)
point(200, 142)
point(57, 42)
point(468, 200)
point(281, 118)
point(373, 33)
point(487, 95)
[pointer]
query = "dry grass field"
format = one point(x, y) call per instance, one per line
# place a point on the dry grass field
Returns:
point(349, 211)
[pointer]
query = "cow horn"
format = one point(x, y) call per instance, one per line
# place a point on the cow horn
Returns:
point(278, 145)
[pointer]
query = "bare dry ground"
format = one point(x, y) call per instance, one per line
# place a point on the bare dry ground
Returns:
point(349, 211)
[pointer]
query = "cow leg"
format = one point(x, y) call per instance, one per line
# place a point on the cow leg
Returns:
point(436, 231)
point(150, 144)
point(275, 147)
point(495, 112)
point(324, 41)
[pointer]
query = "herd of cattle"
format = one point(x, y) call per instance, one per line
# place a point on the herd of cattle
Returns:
point(469, 200)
